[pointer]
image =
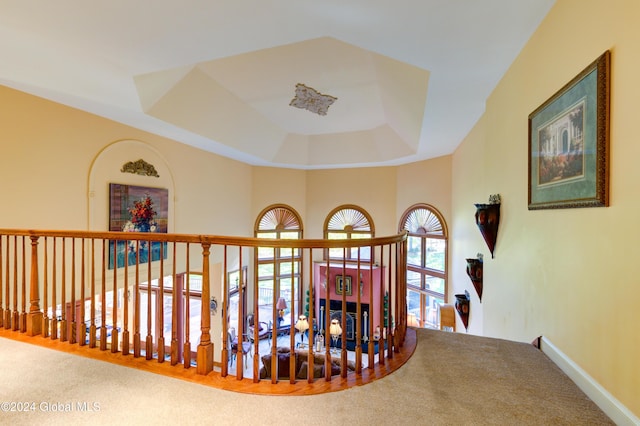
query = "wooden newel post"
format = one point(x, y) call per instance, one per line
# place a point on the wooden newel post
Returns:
point(34, 317)
point(204, 356)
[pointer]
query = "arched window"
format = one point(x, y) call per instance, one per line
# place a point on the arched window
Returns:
point(279, 270)
point(426, 263)
point(347, 222)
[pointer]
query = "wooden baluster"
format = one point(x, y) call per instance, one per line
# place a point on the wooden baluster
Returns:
point(276, 323)
point(312, 317)
point(187, 317)
point(63, 294)
point(7, 286)
point(54, 307)
point(103, 298)
point(136, 304)
point(161, 307)
point(8, 323)
point(401, 302)
point(370, 325)
point(23, 297)
point(357, 288)
point(125, 294)
point(72, 311)
point(1, 284)
point(148, 350)
point(292, 321)
point(241, 317)
point(92, 326)
point(82, 336)
point(114, 314)
point(33, 319)
point(256, 320)
point(204, 357)
point(224, 371)
point(343, 338)
point(381, 342)
point(45, 288)
point(327, 321)
point(390, 326)
point(175, 318)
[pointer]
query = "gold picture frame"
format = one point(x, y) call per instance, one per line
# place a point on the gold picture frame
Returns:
point(347, 285)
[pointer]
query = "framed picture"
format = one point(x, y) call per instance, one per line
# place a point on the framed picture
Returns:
point(137, 209)
point(346, 286)
point(569, 143)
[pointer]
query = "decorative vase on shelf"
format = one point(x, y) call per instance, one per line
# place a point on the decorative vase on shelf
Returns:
point(488, 219)
point(462, 307)
point(474, 271)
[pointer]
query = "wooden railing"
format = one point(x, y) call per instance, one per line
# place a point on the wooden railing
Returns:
point(98, 289)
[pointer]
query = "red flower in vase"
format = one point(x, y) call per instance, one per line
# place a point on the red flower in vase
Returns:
point(143, 214)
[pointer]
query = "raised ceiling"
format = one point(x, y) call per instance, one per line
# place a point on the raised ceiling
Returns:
point(410, 77)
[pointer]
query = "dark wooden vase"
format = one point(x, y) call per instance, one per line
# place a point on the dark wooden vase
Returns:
point(474, 271)
point(462, 307)
point(488, 219)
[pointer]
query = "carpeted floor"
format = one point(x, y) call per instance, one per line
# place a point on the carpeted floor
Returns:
point(452, 378)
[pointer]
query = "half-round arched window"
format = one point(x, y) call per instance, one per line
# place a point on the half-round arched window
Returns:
point(426, 263)
point(349, 222)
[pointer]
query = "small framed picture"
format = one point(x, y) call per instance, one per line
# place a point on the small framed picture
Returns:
point(343, 285)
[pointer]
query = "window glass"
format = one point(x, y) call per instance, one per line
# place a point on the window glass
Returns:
point(435, 284)
point(285, 268)
point(413, 303)
point(435, 254)
point(265, 270)
point(414, 279)
point(414, 250)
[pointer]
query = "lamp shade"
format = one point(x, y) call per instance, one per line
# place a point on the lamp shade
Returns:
point(282, 304)
point(302, 324)
point(335, 328)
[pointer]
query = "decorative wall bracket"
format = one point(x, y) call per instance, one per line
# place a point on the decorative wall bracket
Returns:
point(488, 219)
point(462, 307)
point(474, 271)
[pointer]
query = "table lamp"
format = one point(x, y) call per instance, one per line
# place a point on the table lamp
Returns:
point(336, 331)
point(281, 306)
point(302, 325)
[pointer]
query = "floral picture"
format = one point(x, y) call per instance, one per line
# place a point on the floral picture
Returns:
point(569, 143)
point(561, 147)
point(137, 209)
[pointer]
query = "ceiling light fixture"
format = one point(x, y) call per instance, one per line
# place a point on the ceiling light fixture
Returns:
point(310, 99)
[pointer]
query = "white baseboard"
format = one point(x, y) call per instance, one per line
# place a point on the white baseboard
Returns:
point(603, 399)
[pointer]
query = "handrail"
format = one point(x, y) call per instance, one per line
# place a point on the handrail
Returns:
point(212, 239)
point(94, 294)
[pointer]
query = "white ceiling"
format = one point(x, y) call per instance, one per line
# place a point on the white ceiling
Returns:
point(411, 77)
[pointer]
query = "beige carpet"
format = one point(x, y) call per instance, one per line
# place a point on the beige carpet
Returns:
point(451, 379)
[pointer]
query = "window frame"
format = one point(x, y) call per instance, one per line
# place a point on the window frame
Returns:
point(423, 270)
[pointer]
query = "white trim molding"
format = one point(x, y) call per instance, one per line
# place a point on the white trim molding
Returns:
point(603, 399)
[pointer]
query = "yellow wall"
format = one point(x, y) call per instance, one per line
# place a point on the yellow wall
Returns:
point(569, 275)
point(373, 189)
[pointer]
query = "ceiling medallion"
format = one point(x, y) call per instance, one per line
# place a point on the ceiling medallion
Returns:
point(310, 99)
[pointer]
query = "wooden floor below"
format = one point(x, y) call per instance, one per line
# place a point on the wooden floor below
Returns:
point(231, 383)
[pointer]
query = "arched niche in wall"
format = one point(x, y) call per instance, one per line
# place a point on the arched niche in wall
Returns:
point(116, 163)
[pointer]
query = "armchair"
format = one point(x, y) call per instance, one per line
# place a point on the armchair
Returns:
point(264, 329)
